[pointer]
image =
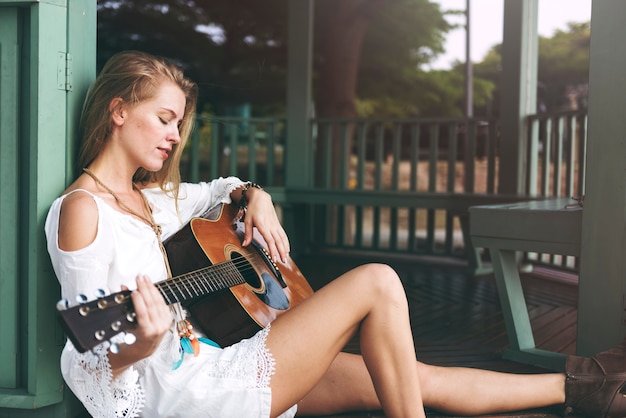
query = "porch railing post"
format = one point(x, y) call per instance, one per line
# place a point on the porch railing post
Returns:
point(298, 158)
point(602, 283)
point(519, 86)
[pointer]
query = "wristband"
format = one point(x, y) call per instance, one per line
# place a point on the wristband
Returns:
point(243, 202)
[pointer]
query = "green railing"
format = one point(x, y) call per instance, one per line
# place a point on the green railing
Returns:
point(251, 148)
point(406, 154)
point(421, 159)
point(557, 150)
point(391, 185)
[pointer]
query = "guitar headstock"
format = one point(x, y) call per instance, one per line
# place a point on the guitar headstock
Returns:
point(91, 323)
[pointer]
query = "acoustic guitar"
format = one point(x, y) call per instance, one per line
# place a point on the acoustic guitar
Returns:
point(230, 291)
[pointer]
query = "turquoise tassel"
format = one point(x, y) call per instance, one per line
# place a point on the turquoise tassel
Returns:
point(186, 347)
point(177, 364)
point(209, 342)
point(185, 343)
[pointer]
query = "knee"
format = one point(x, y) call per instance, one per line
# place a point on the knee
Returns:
point(385, 283)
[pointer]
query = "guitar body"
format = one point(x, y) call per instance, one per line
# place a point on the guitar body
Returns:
point(230, 315)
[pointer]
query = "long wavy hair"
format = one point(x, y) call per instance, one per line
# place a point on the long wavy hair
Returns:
point(135, 77)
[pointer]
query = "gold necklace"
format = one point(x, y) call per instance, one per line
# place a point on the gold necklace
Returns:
point(184, 328)
point(150, 221)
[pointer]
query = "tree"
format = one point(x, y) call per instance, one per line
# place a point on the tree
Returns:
point(406, 35)
point(236, 50)
point(342, 27)
point(437, 93)
point(370, 49)
point(563, 69)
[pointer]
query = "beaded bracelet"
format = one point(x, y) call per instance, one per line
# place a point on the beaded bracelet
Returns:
point(243, 202)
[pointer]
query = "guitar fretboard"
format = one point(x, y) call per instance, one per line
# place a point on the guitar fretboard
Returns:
point(200, 282)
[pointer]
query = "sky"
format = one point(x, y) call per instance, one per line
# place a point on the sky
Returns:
point(486, 25)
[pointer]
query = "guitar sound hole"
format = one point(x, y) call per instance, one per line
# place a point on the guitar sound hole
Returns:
point(249, 274)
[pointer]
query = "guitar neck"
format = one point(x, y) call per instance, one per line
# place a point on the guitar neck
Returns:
point(96, 321)
point(200, 282)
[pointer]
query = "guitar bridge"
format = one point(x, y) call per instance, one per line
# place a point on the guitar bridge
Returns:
point(265, 255)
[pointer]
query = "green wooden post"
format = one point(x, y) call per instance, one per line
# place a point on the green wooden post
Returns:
point(519, 90)
point(82, 47)
point(9, 128)
point(602, 291)
point(39, 89)
point(298, 160)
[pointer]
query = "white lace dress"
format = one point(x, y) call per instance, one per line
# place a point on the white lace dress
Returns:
point(221, 383)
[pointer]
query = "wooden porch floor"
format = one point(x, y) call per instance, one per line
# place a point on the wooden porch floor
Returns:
point(456, 318)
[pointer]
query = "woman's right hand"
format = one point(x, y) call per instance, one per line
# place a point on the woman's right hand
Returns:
point(154, 320)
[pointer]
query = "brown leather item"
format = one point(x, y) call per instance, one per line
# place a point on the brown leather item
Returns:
point(596, 386)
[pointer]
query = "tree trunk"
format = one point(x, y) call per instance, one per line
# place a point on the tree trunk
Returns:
point(341, 30)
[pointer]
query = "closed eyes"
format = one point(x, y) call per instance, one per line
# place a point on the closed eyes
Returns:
point(166, 121)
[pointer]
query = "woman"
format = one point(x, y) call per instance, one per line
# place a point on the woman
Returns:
point(105, 232)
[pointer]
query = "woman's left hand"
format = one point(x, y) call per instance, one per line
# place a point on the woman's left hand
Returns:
point(260, 213)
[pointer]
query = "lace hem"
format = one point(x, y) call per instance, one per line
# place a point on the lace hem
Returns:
point(223, 188)
point(250, 354)
point(101, 394)
point(229, 184)
point(266, 363)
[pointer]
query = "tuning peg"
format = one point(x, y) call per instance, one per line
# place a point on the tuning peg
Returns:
point(63, 304)
point(100, 293)
point(130, 316)
point(129, 339)
point(100, 334)
point(81, 298)
point(120, 298)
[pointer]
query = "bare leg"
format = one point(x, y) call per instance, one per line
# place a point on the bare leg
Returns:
point(306, 341)
point(452, 390)
point(474, 391)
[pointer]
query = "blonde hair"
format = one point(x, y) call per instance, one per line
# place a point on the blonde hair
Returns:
point(135, 77)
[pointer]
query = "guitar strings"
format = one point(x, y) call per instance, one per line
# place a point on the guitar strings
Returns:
point(239, 262)
point(210, 273)
point(243, 265)
point(190, 279)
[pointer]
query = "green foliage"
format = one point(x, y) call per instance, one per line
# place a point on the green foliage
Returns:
point(236, 51)
point(563, 68)
point(405, 35)
point(430, 94)
point(564, 58)
point(243, 57)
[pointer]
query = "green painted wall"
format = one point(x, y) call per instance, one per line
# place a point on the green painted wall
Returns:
point(47, 58)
